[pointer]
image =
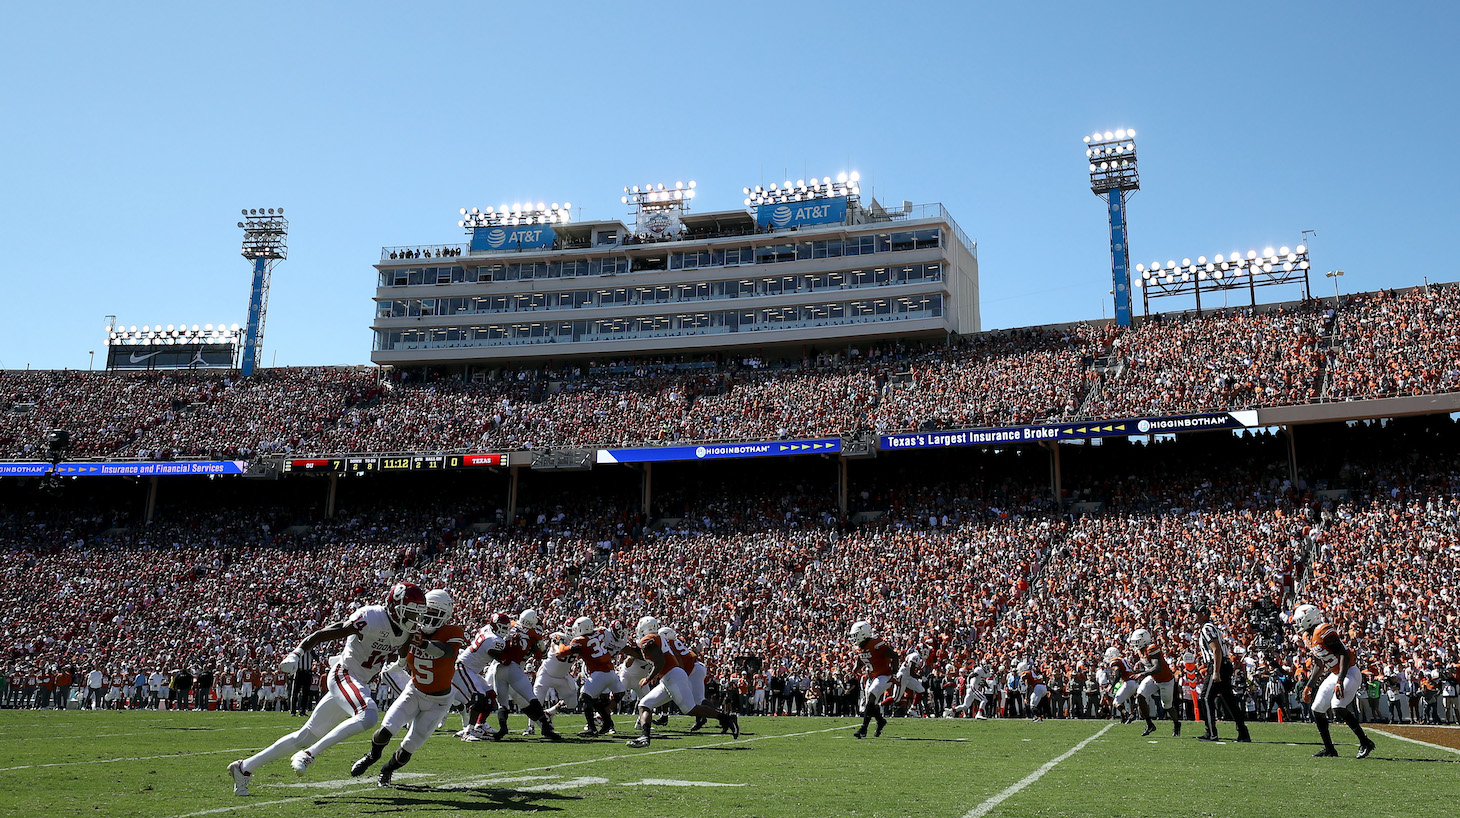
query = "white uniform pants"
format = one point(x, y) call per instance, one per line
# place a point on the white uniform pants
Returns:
point(603, 681)
point(564, 687)
point(1324, 700)
point(675, 685)
point(510, 680)
point(1150, 688)
point(874, 688)
point(424, 713)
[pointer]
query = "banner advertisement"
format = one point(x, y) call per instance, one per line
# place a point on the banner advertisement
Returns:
point(721, 451)
point(513, 237)
point(796, 214)
point(1069, 431)
point(134, 468)
point(152, 356)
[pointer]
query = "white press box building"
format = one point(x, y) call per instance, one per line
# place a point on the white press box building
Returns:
point(804, 265)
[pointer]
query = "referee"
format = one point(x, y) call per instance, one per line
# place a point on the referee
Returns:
point(1219, 678)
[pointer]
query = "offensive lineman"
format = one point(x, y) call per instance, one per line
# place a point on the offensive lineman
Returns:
point(1338, 689)
point(427, 697)
point(372, 634)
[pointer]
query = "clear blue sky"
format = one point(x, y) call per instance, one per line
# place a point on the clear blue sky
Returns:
point(132, 137)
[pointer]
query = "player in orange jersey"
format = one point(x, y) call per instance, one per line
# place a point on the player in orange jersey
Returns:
point(681, 678)
point(1155, 678)
point(596, 647)
point(1338, 689)
point(879, 662)
point(425, 701)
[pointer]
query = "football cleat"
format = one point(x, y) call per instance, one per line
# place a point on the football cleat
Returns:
point(662, 720)
point(1176, 729)
point(588, 732)
point(472, 737)
point(1326, 752)
point(364, 763)
point(301, 761)
point(240, 777)
point(1244, 739)
point(498, 735)
point(699, 722)
point(550, 734)
point(639, 743)
point(734, 722)
point(385, 774)
point(1150, 728)
point(881, 724)
point(1365, 747)
point(1206, 737)
point(530, 731)
point(609, 731)
point(862, 733)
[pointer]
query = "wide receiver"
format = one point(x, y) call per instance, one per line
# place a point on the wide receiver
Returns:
point(1338, 689)
point(674, 663)
point(427, 698)
point(1156, 677)
point(373, 635)
point(879, 662)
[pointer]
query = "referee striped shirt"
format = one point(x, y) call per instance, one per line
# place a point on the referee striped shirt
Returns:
point(1208, 634)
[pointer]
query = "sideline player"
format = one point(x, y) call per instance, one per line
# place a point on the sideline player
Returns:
point(1338, 689)
point(678, 668)
point(1156, 677)
point(427, 697)
point(879, 662)
point(372, 634)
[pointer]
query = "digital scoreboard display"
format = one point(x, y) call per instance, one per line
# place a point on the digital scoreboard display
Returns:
point(396, 463)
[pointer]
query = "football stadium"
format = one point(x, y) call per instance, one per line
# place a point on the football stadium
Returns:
point(737, 504)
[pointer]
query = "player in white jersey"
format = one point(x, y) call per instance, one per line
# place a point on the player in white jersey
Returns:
point(907, 676)
point(473, 685)
point(373, 635)
point(973, 694)
point(554, 679)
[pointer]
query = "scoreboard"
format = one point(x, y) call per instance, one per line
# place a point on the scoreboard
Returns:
point(401, 463)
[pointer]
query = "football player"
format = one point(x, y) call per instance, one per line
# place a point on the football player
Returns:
point(678, 668)
point(521, 641)
point(1342, 683)
point(879, 663)
point(1031, 684)
point(373, 634)
point(907, 678)
point(596, 648)
point(554, 679)
point(1123, 680)
point(471, 685)
point(974, 698)
point(1156, 677)
point(431, 663)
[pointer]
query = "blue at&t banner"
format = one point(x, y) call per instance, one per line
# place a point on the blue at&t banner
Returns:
point(795, 214)
point(722, 451)
point(132, 468)
point(516, 237)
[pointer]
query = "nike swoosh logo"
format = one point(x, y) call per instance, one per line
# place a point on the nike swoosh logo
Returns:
point(137, 359)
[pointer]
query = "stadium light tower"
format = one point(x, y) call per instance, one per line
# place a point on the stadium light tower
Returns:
point(265, 243)
point(1112, 159)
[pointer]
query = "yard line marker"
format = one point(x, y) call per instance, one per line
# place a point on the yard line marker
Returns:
point(986, 807)
point(474, 778)
point(1415, 741)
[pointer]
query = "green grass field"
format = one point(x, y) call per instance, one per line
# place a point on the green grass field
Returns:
point(142, 763)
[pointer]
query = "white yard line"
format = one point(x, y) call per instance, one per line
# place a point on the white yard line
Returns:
point(369, 785)
point(986, 807)
point(150, 733)
point(1415, 741)
point(135, 758)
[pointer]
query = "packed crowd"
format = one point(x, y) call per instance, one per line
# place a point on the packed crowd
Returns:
point(763, 574)
point(1373, 345)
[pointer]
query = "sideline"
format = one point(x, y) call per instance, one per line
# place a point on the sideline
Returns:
point(986, 807)
point(1415, 741)
point(479, 779)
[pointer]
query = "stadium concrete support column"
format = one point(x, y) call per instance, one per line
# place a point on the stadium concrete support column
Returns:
point(1055, 478)
point(329, 503)
point(841, 488)
point(514, 470)
point(647, 484)
point(151, 497)
point(1292, 456)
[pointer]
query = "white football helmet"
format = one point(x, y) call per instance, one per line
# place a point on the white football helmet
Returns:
point(668, 632)
point(438, 609)
point(582, 626)
point(861, 631)
point(1023, 667)
point(1140, 639)
point(1307, 617)
point(528, 618)
point(981, 672)
point(647, 627)
point(1112, 653)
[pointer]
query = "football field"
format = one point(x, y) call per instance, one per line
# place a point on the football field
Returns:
point(148, 763)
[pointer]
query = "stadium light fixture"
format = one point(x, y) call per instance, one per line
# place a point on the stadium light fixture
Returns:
point(1111, 158)
point(265, 243)
point(802, 190)
point(518, 213)
point(659, 196)
point(1225, 271)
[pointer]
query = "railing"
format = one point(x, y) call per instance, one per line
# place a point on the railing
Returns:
point(423, 252)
